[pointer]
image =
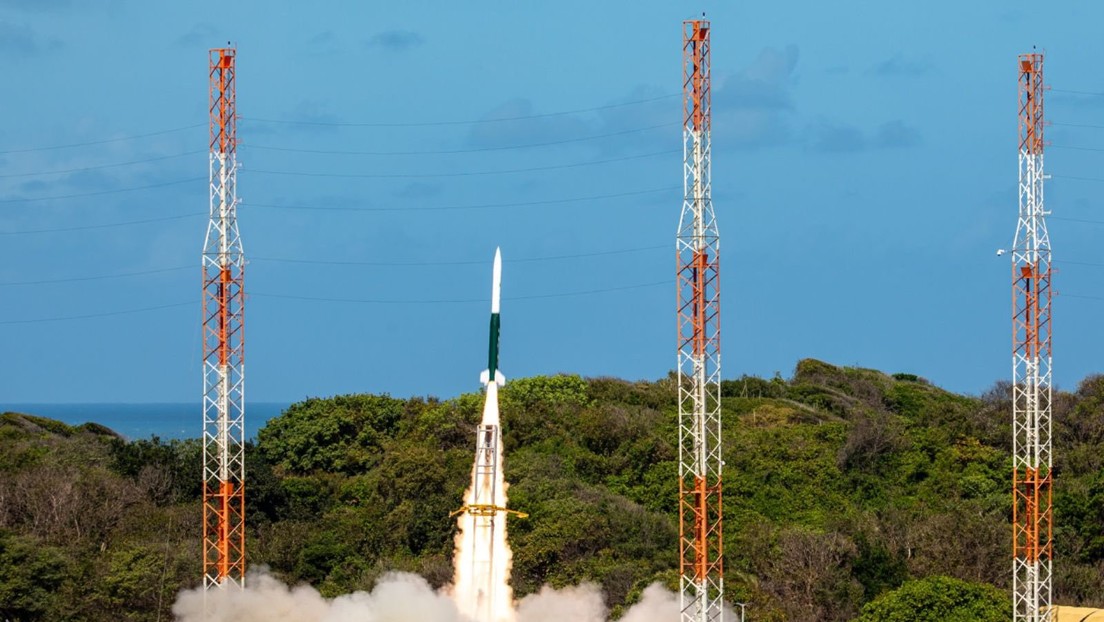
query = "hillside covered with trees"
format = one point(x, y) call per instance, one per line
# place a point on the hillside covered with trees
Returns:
point(849, 494)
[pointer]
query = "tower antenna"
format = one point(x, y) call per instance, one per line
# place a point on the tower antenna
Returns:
point(223, 365)
point(701, 567)
point(1032, 520)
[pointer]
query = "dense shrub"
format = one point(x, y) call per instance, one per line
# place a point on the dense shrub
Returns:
point(847, 492)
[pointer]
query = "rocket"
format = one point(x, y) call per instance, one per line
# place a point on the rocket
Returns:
point(481, 584)
point(491, 373)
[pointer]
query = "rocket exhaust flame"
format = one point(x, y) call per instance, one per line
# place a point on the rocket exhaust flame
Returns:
point(483, 558)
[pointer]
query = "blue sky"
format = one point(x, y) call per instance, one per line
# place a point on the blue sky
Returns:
point(864, 174)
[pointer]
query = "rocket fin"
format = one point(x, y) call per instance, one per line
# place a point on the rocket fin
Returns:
point(485, 378)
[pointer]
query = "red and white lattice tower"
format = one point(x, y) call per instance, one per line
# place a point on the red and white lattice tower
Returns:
point(223, 367)
point(1032, 524)
point(699, 356)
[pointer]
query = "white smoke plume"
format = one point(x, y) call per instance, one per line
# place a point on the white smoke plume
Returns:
point(401, 597)
point(657, 604)
point(398, 597)
point(582, 603)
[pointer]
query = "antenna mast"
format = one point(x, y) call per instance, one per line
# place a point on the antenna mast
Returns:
point(699, 358)
point(223, 366)
point(1032, 521)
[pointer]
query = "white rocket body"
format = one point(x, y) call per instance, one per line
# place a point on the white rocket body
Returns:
point(496, 297)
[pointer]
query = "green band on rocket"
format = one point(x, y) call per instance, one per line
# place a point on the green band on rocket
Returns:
point(492, 354)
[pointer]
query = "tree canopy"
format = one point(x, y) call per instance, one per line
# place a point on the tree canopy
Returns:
point(939, 599)
point(849, 494)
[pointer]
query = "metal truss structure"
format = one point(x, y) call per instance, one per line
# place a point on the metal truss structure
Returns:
point(484, 490)
point(699, 358)
point(1032, 537)
point(223, 365)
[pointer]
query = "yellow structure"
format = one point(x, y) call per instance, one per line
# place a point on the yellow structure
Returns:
point(1078, 614)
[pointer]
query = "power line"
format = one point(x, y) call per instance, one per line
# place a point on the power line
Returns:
point(1099, 127)
point(1078, 178)
point(1076, 296)
point(99, 277)
point(590, 291)
point(595, 254)
point(465, 173)
point(328, 208)
point(96, 315)
point(104, 226)
point(102, 192)
point(104, 141)
point(469, 122)
point(1076, 148)
point(1094, 93)
point(351, 300)
point(345, 300)
point(1095, 222)
point(391, 264)
point(1078, 263)
point(465, 207)
point(459, 151)
point(461, 300)
point(103, 166)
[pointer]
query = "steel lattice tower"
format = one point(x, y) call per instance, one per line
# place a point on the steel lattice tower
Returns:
point(699, 356)
point(1031, 358)
point(223, 367)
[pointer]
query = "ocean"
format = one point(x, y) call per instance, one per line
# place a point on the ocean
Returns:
point(136, 421)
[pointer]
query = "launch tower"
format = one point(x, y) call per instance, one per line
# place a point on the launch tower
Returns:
point(699, 357)
point(223, 366)
point(1032, 526)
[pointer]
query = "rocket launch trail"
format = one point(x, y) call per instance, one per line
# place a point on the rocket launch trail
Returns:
point(483, 558)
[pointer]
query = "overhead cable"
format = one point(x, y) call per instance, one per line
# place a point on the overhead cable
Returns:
point(459, 300)
point(339, 208)
point(396, 264)
point(104, 141)
point(530, 169)
point(105, 225)
point(102, 166)
point(459, 151)
point(468, 122)
point(102, 192)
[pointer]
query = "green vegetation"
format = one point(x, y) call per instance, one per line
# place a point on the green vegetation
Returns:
point(850, 495)
point(939, 599)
